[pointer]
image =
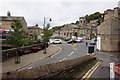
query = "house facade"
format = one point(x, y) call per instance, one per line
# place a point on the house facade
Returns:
point(6, 21)
point(108, 33)
point(66, 31)
point(81, 30)
point(34, 30)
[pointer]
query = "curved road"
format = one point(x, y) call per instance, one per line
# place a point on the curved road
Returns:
point(68, 51)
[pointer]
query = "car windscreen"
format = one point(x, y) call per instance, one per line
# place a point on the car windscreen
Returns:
point(57, 40)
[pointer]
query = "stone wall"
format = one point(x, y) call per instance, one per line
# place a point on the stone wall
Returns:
point(6, 54)
point(24, 25)
point(110, 13)
point(6, 25)
point(48, 70)
point(109, 32)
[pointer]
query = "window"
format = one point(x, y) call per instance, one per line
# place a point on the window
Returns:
point(84, 21)
point(31, 31)
point(81, 21)
point(64, 33)
point(67, 34)
point(119, 11)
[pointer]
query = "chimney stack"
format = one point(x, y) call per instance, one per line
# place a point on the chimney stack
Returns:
point(8, 14)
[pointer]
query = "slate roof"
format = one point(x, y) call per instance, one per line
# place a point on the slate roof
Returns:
point(6, 18)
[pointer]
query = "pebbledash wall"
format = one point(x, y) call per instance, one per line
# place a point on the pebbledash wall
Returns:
point(109, 31)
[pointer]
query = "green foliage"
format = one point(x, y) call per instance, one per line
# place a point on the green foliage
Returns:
point(57, 28)
point(77, 22)
point(94, 16)
point(35, 36)
point(100, 20)
point(38, 41)
point(47, 33)
point(28, 41)
point(16, 37)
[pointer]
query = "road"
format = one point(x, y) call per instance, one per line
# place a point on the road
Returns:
point(103, 71)
point(68, 51)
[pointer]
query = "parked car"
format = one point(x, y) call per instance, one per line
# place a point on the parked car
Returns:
point(92, 42)
point(67, 39)
point(72, 40)
point(79, 40)
point(55, 41)
point(95, 39)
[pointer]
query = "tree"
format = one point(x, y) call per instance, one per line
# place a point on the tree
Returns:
point(77, 22)
point(57, 28)
point(94, 16)
point(46, 36)
point(35, 36)
point(16, 37)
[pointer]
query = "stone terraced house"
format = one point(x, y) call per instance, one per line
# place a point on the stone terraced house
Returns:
point(108, 33)
point(5, 22)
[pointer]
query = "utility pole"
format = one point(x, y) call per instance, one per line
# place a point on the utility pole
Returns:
point(43, 37)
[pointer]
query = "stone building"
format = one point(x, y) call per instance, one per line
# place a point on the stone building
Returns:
point(82, 21)
point(67, 31)
point(81, 30)
point(5, 22)
point(34, 30)
point(108, 33)
point(92, 27)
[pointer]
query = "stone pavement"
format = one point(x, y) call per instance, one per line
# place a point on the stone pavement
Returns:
point(9, 65)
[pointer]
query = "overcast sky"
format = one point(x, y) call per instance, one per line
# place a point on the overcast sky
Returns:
point(60, 11)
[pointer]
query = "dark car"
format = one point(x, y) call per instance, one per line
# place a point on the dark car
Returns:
point(71, 40)
point(67, 39)
point(92, 42)
point(95, 39)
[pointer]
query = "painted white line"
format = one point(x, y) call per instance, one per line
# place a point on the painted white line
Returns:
point(74, 48)
point(20, 70)
point(29, 67)
point(71, 53)
point(62, 59)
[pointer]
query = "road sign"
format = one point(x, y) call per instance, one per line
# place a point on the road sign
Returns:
point(112, 73)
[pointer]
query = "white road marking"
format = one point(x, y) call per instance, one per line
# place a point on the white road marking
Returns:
point(62, 59)
point(29, 67)
point(74, 48)
point(71, 53)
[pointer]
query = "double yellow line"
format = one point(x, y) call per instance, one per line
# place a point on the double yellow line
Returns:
point(90, 72)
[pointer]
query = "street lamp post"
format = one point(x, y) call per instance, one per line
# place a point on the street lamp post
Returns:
point(44, 40)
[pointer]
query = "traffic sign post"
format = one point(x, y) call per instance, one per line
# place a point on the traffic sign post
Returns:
point(112, 73)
